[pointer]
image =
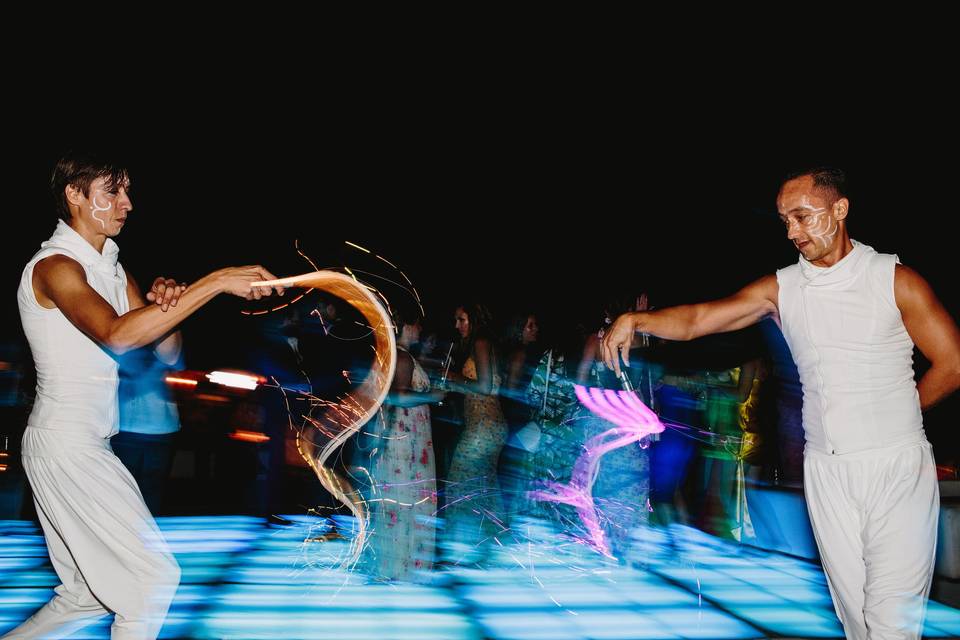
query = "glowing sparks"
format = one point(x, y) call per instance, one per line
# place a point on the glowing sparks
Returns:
point(296, 246)
point(330, 424)
point(391, 264)
point(633, 421)
point(356, 246)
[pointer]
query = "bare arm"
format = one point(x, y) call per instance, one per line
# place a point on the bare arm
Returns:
point(515, 369)
point(934, 332)
point(748, 306)
point(483, 359)
point(591, 348)
point(511, 387)
point(168, 348)
point(60, 282)
point(401, 394)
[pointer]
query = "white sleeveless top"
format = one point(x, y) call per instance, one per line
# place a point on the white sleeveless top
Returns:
point(853, 353)
point(76, 377)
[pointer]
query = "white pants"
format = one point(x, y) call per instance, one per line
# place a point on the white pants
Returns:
point(874, 515)
point(103, 543)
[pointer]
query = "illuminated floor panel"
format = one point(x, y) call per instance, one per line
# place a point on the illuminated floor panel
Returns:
point(245, 578)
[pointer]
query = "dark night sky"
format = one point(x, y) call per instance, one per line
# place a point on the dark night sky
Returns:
point(512, 203)
point(513, 196)
point(510, 219)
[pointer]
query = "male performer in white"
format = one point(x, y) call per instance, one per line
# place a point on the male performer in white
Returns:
point(79, 307)
point(851, 317)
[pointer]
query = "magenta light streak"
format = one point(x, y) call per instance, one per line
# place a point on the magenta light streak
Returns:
point(633, 421)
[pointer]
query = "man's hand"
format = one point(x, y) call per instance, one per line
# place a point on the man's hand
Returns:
point(166, 292)
point(616, 341)
point(239, 282)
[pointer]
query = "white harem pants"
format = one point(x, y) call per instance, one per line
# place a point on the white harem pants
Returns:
point(103, 543)
point(874, 514)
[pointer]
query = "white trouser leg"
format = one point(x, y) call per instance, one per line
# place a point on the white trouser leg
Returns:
point(72, 607)
point(874, 515)
point(104, 544)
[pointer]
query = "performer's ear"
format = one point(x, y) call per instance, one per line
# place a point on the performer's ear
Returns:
point(74, 194)
point(841, 208)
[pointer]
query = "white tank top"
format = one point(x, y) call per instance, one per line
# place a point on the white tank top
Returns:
point(853, 353)
point(76, 377)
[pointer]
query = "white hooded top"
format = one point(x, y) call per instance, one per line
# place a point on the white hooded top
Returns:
point(76, 377)
point(853, 353)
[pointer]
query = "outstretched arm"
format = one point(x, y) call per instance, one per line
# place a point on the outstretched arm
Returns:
point(60, 282)
point(748, 306)
point(933, 331)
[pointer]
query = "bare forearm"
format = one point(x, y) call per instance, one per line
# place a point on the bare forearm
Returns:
point(685, 322)
point(672, 323)
point(169, 348)
point(691, 321)
point(411, 398)
point(936, 384)
point(471, 386)
point(143, 326)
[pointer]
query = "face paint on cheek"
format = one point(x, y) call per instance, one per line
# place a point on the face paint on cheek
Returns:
point(824, 228)
point(97, 208)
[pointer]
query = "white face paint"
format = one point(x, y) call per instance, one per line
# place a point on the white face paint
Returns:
point(812, 224)
point(821, 227)
point(97, 208)
point(818, 225)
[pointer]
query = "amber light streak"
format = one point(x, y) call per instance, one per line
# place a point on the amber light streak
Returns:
point(249, 436)
point(331, 424)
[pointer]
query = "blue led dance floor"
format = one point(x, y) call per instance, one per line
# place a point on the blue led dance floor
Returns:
point(245, 578)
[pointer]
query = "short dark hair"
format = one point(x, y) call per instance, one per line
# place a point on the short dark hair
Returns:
point(80, 169)
point(825, 178)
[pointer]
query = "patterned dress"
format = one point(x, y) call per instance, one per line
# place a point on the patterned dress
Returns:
point(556, 410)
point(474, 510)
point(402, 518)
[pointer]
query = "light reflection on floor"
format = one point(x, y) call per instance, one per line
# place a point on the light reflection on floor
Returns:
point(245, 578)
